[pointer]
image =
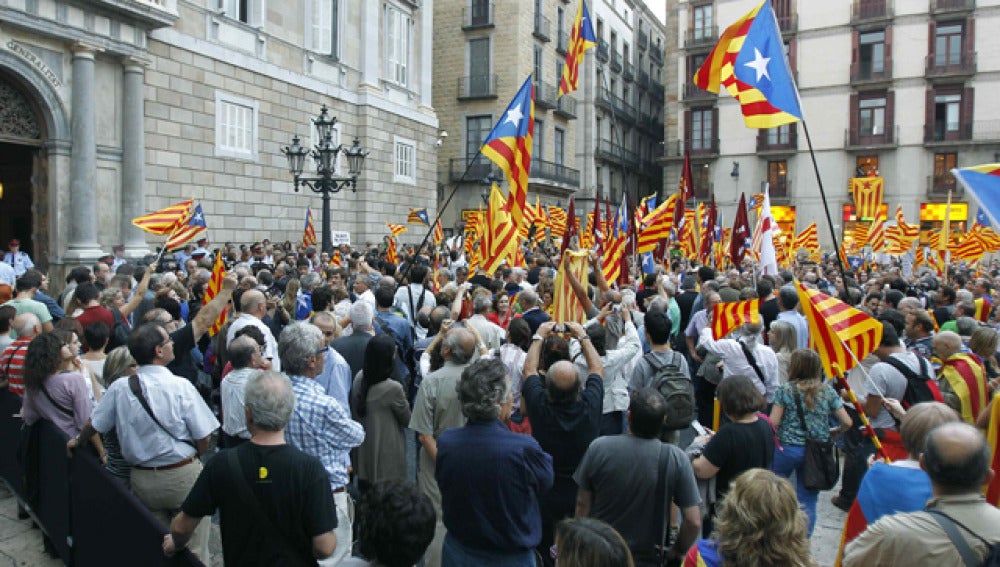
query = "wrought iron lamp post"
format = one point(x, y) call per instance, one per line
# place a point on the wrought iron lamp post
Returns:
point(326, 181)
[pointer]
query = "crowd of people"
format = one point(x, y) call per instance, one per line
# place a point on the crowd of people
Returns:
point(355, 411)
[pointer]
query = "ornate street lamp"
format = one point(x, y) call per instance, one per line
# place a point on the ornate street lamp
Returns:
point(325, 154)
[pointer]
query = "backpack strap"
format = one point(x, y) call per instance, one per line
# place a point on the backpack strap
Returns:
point(802, 414)
point(906, 370)
point(660, 505)
point(136, 387)
point(54, 403)
point(950, 527)
point(753, 362)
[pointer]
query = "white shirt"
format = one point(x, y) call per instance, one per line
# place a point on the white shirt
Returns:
point(616, 396)
point(735, 363)
point(7, 274)
point(270, 345)
point(176, 404)
point(368, 296)
point(234, 419)
point(402, 302)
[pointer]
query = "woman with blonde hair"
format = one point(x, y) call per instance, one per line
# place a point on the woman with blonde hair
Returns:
point(760, 525)
point(805, 398)
point(586, 542)
point(783, 339)
point(118, 364)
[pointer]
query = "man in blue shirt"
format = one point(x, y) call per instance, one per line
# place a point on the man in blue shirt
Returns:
point(490, 478)
point(393, 322)
point(788, 300)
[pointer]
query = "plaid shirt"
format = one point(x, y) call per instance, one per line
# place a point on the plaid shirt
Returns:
point(322, 428)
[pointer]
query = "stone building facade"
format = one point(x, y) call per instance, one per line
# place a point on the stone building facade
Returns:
point(898, 88)
point(126, 107)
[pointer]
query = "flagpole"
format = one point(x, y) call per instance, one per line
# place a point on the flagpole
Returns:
point(822, 194)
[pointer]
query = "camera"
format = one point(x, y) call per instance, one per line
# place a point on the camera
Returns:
point(559, 328)
point(617, 307)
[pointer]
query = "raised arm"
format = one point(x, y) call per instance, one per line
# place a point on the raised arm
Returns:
point(207, 315)
point(140, 291)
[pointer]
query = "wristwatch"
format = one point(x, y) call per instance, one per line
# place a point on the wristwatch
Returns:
point(537, 337)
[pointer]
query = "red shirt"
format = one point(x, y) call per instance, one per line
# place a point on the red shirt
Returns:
point(12, 364)
point(94, 314)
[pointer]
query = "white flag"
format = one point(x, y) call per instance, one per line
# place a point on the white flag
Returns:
point(768, 229)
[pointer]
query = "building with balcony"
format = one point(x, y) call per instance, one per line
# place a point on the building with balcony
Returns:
point(620, 105)
point(488, 58)
point(113, 109)
point(887, 87)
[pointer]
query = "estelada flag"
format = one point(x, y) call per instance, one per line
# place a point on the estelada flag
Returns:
point(867, 193)
point(729, 316)
point(163, 221)
point(836, 328)
point(213, 288)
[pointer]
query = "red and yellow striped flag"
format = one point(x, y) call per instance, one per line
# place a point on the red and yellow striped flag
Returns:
point(581, 38)
point(860, 234)
point(565, 305)
point(728, 316)
point(808, 239)
point(908, 232)
point(656, 225)
point(876, 236)
point(992, 489)
point(867, 192)
point(835, 327)
point(309, 231)
point(396, 229)
point(163, 221)
point(212, 289)
point(557, 221)
point(499, 241)
point(390, 252)
point(438, 232)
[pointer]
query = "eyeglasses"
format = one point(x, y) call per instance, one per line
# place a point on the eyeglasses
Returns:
point(166, 343)
point(321, 351)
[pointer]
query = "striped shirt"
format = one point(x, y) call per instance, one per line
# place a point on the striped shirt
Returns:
point(321, 427)
point(12, 364)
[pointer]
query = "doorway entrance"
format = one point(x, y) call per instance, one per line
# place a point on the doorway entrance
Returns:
point(16, 165)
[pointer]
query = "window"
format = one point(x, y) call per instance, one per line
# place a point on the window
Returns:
point(240, 10)
point(323, 38)
point(777, 178)
point(948, 44)
point(559, 145)
point(871, 115)
point(397, 45)
point(871, 54)
point(479, 67)
point(702, 128)
point(600, 30)
point(476, 130)
point(701, 23)
point(865, 166)
point(943, 180)
point(780, 136)
point(481, 13)
point(538, 140)
point(406, 151)
point(560, 25)
point(701, 181)
point(235, 126)
point(949, 113)
point(946, 113)
point(538, 66)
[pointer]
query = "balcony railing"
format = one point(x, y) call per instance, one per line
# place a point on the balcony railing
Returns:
point(477, 86)
point(643, 79)
point(694, 92)
point(602, 50)
point(628, 73)
point(942, 133)
point(461, 172)
point(868, 10)
point(940, 6)
point(656, 53)
point(939, 185)
point(542, 28)
point(698, 37)
point(790, 142)
point(154, 13)
point(562, 43)
point(607, 150)
point(616, 61)
point(865, 71)
point(703, 147)
point(788, 23)
point(625, 108)
point(566, 106)
point(858, 137)
point(477, 16)
point(940, 65)
point(545, 95)
point(642, 40)
point(603, 99)
point(656, 89)
point(551, 171)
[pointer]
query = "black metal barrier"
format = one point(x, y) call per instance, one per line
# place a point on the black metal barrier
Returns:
point(90, 517)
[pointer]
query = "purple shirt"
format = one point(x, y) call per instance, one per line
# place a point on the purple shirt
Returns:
point(69, 390)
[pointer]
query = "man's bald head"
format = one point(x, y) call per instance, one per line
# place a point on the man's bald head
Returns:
point(563, 382)
point(251, 302)
point(957, 459)
point(27, 325)
point(946, 343)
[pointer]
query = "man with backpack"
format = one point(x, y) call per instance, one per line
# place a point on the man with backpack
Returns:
point(902, 375)
point(958, 526)
point(666, 371)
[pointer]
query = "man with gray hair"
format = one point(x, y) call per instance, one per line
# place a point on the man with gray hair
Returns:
point(492, 334)
point(352, 347)
point(253, 308)
point(337, 377)
point(265, 476)
point(320, 426)
point(436, 409)
point(245, 356)
point(484, 463)
point(531, 310)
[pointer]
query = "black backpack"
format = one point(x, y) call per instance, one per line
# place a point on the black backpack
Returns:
point(119, 333)
point(676, 388)
point(919, 387)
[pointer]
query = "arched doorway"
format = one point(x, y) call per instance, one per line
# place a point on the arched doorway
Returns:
point(23, 185)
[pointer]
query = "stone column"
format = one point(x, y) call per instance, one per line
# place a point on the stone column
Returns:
point(133, 196)
point(83, 245)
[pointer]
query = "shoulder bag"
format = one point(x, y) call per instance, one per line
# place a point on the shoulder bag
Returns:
point(660, 509)
point(136, 387)
point(969, 557)
point(822, 468)
point(753, 362)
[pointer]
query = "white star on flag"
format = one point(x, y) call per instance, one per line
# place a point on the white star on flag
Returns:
point(759, 64)
point(514, 116)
